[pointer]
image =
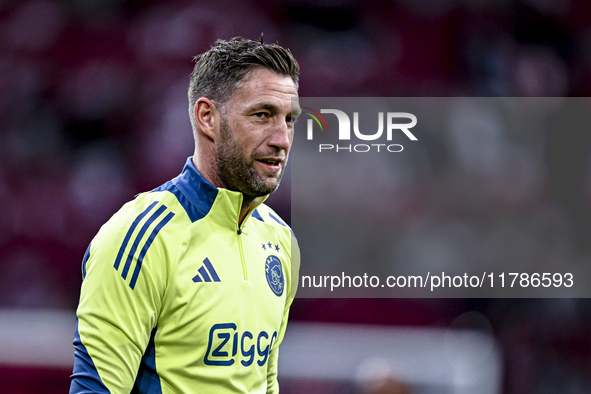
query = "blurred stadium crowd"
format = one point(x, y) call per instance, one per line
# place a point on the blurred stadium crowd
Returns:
point(93, 110)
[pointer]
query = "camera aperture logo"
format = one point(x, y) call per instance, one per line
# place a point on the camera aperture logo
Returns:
point(394, 123)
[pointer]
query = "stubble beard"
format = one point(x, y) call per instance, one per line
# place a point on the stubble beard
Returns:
point(237, 172)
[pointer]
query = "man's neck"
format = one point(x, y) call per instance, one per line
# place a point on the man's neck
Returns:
point(247, 202)
point(247, 205)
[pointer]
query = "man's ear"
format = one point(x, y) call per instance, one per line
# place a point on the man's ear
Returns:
point(207, 118)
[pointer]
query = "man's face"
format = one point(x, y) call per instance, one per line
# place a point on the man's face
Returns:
point(256, 133)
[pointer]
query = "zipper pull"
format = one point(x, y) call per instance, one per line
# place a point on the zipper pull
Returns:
point(239, 231)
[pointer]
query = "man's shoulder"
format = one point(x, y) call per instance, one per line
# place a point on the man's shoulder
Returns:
point(151, 225)
point(155, 211)
point(266, 214)
point(287, 238)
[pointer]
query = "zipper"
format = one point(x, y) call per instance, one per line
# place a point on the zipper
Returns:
point(239, 233)
point(242, 259)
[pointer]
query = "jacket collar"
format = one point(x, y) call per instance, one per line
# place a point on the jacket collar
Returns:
point(202, 195)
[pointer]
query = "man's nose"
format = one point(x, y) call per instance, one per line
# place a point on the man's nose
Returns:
point(282, 136)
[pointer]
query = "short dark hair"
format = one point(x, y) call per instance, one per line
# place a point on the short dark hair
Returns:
point(218, 71)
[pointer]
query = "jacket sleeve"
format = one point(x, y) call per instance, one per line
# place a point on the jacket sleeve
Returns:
point(291, 274)
point(123, 283)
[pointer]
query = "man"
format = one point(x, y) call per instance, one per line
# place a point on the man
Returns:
point(187, 288)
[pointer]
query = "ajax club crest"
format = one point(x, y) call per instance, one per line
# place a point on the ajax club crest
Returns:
point(274, 274)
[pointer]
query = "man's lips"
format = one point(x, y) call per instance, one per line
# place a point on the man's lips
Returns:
point(271, 163)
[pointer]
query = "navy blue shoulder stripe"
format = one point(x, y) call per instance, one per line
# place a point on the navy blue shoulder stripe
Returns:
point(144, 250)
point(281, 222)
point(195, 194)
point(131, 255)
point(277, 220)
point(138, 238)
point(257, 215)
point(130, 232)
point(85, 377)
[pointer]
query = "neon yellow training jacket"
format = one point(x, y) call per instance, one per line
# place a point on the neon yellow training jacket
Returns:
point(176, 298)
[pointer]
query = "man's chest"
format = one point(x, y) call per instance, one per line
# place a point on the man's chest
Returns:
point(226, 294)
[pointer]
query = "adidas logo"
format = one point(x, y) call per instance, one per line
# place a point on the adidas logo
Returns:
point(206, 273)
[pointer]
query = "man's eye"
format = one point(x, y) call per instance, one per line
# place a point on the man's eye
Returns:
point(260, 115)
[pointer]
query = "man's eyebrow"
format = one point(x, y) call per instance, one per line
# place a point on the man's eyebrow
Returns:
point(271, 107)
point(263, 105)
